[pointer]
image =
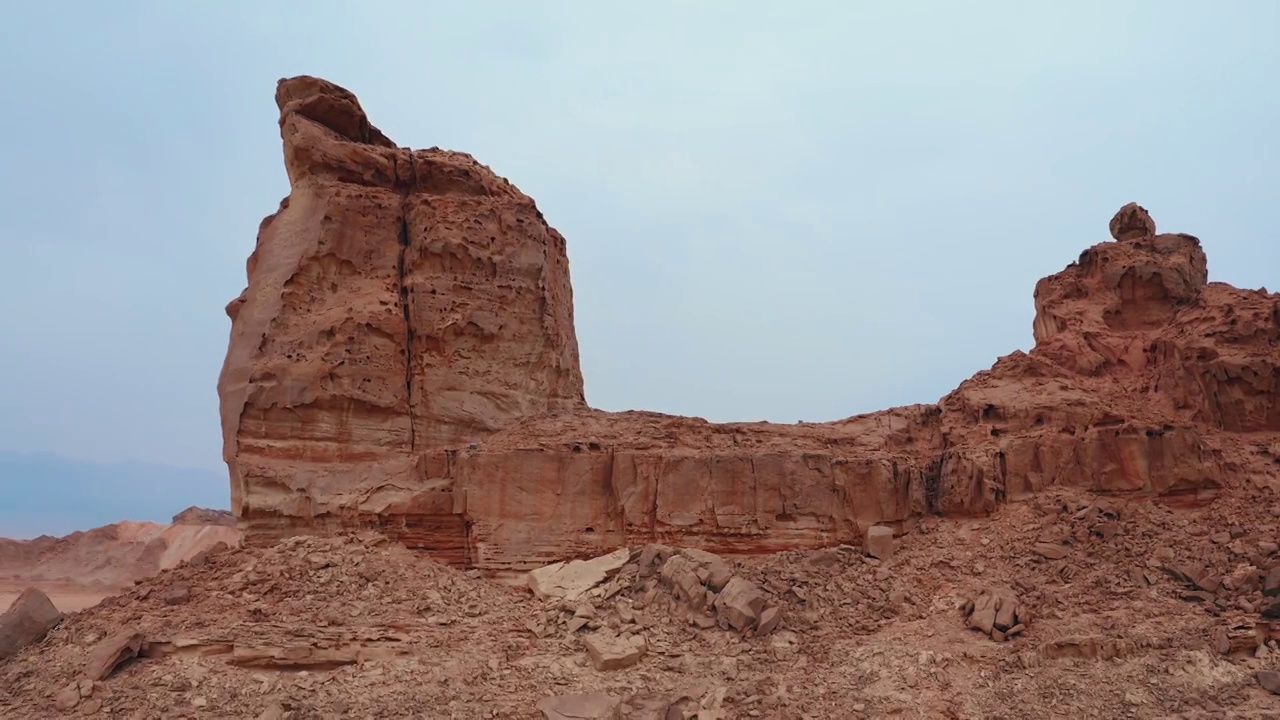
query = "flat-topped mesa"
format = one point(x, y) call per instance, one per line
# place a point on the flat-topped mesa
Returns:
point(400, 301)
point(404, 359)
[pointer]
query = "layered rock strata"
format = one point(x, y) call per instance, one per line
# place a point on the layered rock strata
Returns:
point(404, 359)
point(399, 301)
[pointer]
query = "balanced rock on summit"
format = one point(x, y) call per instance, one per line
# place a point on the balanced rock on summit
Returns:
point(404, 358)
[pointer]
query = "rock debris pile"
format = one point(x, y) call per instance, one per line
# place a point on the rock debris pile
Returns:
point(358, 626)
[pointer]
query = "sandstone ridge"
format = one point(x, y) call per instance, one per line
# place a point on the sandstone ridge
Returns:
point(113, 555)
point(404, 359)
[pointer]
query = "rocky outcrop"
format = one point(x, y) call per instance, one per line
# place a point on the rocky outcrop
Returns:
point(399, 301)
point(404, 359)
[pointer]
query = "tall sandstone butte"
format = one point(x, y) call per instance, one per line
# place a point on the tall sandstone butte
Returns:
point(400, 301)
point(404, 359)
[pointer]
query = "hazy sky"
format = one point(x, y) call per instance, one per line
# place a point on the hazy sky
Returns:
point(775, 210)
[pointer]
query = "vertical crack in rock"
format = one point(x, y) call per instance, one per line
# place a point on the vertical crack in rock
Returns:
point(402, 271)
point(933, 471)
point(408, 321)
point(615, 511)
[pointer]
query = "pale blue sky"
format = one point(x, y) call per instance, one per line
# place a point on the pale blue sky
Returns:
point(775, 210)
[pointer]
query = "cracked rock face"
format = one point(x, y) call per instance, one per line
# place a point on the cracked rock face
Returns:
point(400, 301)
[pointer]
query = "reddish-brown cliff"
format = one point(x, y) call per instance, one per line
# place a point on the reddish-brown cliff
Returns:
point(399, 301)
point(404, 358)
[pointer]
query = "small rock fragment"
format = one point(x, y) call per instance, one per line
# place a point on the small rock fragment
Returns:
point(177, 595)
point(1183, 572)
point(625, 614)
point(770, 617)
point(67, 698)
point(1271, 609)
point(580, 707)
point(826, 557)
point(1221, 643)
point(997, 613)
point(1051, 551)
point(879, 542)
point(718, 576)
point(1209, 583)
point(740, 603)
point(647, 706)
point(1271, 584)
point(681, 574)
point(571, 579)
point(608, 651)
point(108, 654)
point(274, 712)
point(651, 558)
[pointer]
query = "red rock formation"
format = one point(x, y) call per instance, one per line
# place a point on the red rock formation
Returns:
point(399, 301)
point(404, 358)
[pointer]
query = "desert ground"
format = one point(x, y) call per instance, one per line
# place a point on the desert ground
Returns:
point(1115, 622)
point(69, 597)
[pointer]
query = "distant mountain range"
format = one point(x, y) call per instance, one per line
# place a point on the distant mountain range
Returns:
point(46, 494)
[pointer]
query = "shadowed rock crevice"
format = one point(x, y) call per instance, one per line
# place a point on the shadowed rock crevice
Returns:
point(402, 292)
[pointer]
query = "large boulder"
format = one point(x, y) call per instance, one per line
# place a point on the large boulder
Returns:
point(26, 621)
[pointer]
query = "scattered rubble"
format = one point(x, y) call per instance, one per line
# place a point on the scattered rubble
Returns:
point(689, 584)
point(356, 626)
point(997, 613)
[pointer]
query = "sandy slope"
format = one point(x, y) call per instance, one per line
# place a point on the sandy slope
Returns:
point(79, 569)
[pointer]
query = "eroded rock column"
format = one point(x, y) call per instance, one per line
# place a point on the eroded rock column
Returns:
point(399, 303)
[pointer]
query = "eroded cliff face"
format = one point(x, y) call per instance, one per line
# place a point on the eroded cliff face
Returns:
point(399, 301)
point(404, 359)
